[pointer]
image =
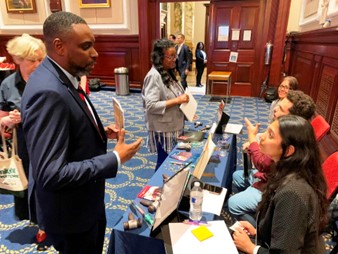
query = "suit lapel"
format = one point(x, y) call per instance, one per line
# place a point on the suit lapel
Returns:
point(71, 89)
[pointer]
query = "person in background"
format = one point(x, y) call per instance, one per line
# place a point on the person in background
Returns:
point(249, 190)
point(201, 60)
point(27, 52)
point(288, 83)
point(172, 37)
point(162, 96)
point(66, 142)
point(183, 61)
point(297, 178)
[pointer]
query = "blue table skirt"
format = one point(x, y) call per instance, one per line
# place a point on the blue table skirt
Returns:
point(218, 172)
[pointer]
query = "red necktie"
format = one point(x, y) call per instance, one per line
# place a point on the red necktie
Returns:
point(82, 97)
point(81, 94)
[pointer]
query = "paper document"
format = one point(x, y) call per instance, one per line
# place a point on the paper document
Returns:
point(213, 202)
point(118, 113)
point(183, 240)
point(233, 128)
point(189, 108)
point(208, 150)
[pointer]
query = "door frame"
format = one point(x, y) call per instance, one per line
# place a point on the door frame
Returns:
point(276, 13)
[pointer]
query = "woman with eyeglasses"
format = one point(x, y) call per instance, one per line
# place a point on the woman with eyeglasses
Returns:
point(288, 83)
point(27, 53)
point(162, 96)
point(293, 211)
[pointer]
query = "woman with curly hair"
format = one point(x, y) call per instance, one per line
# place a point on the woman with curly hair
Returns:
point(162, 96)
point(293, 210)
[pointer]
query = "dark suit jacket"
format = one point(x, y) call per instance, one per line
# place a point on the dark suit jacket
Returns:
point(68, 157)
point(199, 60)
point(290, 224)
point(183, 60)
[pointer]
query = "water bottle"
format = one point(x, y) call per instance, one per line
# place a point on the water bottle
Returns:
point(196, 200)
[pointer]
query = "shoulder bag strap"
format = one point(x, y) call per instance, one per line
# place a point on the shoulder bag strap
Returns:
point(4, 145)
point(14, 143)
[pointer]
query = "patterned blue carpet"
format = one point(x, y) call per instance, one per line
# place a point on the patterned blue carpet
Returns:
point(19, 236)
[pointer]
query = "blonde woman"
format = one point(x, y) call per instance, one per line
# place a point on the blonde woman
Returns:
point(27, 53)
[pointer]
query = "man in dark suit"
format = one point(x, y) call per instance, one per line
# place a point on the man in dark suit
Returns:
point(66, 141)
point(184, 59)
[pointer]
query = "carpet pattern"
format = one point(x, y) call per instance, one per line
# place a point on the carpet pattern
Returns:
point(19, 236)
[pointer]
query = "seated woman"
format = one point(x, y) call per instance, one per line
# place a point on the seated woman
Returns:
point(293, 211)
point(288, 83)
point(249, 190)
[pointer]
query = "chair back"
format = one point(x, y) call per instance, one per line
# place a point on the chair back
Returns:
point(320, 127)
point(330, 169)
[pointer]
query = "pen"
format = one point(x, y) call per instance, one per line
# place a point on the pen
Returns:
point(197, 223)
point(146, 216)
point(177, 163)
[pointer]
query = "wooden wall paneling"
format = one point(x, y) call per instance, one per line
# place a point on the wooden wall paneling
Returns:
point(314, 86)
point(117, 51)
point(280, 15)
point(326, 93)
point(334, 124)
point(114, 51)
point(149, 30)
point(303, 66)
point(314, 61)
point(266, 26)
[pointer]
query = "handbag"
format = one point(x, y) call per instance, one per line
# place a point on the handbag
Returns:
point(13, 179)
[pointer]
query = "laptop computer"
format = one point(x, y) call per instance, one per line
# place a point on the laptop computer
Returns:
point(171, 195)
point(224, 119)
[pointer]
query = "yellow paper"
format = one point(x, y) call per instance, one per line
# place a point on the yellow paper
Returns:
point(202, 233)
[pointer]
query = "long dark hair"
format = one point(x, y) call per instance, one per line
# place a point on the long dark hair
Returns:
point(303, 163)
point(198, 46)
point(157, 56)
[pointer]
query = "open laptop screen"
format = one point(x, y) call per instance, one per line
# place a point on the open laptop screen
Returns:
point(171, 194)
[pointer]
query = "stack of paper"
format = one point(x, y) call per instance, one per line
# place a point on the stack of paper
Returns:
point(118, 113)
point(233, 128)
point(216, 239)
point(189, 108)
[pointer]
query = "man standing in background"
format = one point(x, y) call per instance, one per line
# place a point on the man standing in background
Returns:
point(172, 38)
point(184, 59)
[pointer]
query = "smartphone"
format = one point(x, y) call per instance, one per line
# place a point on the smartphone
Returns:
point(212, 188)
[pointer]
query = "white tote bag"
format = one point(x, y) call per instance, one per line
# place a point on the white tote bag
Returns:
point(12, 175)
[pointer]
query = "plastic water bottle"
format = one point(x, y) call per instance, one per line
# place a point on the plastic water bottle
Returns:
point(196, 200)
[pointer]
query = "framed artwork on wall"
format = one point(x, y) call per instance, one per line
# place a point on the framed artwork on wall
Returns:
point(94, 3)
point(310, 11)
point(333, 8)
point(21, 6)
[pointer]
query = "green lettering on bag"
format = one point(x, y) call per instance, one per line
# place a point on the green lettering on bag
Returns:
point(7, 171)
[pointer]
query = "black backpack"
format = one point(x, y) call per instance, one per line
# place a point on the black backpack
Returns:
point(95, 84)
point(270, 94)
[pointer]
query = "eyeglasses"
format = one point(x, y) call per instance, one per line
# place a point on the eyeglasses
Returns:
point(171, 58)
point(284, 87)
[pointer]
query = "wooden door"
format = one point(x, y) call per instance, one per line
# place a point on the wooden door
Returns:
point(236, 30)
point(250, 24)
